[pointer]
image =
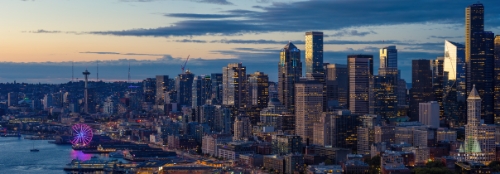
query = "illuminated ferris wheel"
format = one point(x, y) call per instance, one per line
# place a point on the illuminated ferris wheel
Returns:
point(82, 135)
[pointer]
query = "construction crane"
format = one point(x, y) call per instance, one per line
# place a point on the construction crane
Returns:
point(184, 65)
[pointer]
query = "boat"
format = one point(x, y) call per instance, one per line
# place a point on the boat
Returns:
point(34, 150)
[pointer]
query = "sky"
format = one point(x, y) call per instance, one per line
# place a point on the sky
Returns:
point(42, 39)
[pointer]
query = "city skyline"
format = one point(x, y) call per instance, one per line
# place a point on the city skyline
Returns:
point(160, 34)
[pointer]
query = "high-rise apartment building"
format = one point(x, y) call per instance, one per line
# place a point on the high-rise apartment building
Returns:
point(337, 85)
point(389, 57)
point(421, 90)
point(314, 52)
point(162, 83)
point(360, 68)
point(429, 114)
point(234, 85)
point(12, 98)
point(258, 84)
point(202, 90)
point(309, 106)
point(184, 88)
point(289, 73)
point(242, 128)
point(454, 92)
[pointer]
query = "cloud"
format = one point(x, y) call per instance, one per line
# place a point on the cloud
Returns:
point(351, 33)
point(321, 15)
point(90, 52)
point(200, 16)
point(445, 37)
point(190, 41)
point(220, 2)
point(45, 31)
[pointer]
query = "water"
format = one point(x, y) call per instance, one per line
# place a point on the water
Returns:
point(15, 156)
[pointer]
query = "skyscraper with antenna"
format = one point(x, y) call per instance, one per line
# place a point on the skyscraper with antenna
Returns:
point(97, 70)
point(86, 73)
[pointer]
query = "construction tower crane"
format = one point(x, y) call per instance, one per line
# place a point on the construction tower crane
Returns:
point(184, 65)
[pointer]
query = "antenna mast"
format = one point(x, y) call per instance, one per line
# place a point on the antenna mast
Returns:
point(128, 72)
point(97, 70)
point(72, 71)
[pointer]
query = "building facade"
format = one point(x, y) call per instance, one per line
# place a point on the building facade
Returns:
point(360, 68)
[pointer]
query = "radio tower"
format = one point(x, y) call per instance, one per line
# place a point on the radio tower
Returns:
point(128, 73)
point(72, 71)
point(86, 107)
point(97, 70)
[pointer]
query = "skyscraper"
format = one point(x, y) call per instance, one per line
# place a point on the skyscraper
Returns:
point(258, 84)
point(421, 90)
point(202, 89)
point(161, 87)
point(216, 79)
point(337, 85)
point(389, 57)
point(497, 78)
point(454, 92)
point(149, 89)
point(384, 94)
point(479, 58)
point(289, 73)
point(309, 106)
point(234, 85)
point(474, 22)
point(479, 138)
point(184, 88)
point(480, 71)
point(437, 82)
point(314, 52)
point(360, 68)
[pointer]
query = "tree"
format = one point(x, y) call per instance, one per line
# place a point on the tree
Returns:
point(433, 167)
point(328, 162)
point(495, 166)
point(374, 164)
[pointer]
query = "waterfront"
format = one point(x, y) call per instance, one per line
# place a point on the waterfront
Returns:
point(15, 156)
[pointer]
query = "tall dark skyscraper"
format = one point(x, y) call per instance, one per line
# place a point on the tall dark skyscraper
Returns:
point(480, 72)
point(184, 88)
point(289, 73)
point(421, 90)
point(384, 93)
point(337, 85)
point(479, 58)
point(497, 77)
point(314, 52)
point(161, 87)
point(216, 88)
point(437, 83)
point(149, 89)
point(474, 22)
point(389, 57)
point(360, 68)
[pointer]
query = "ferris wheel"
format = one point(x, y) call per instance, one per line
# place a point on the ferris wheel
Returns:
point(82, 134)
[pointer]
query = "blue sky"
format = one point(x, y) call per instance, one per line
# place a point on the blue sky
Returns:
point(42, 38)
